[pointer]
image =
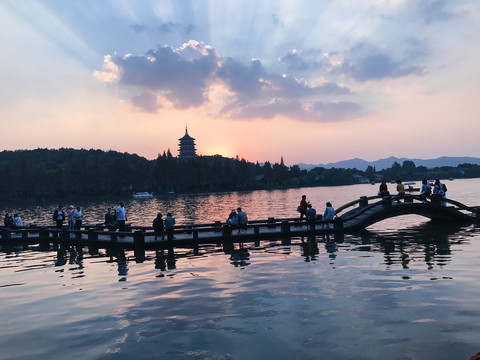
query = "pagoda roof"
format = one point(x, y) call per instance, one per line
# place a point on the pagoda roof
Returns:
point(186, 136)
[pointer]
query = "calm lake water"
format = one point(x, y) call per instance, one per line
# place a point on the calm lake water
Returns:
point(403, 289)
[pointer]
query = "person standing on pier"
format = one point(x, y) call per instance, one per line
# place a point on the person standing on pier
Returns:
point(121, 216)
point(158, 225)
point(303, 207)
point(59, 217)
point(169, 225)
point(110, 220)
point(70, 212)
point(77, 218)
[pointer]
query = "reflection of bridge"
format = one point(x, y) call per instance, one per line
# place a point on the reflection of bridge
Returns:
point(355, 215)
point(442, 209)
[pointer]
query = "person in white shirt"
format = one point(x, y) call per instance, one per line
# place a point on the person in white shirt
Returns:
point(121, 216)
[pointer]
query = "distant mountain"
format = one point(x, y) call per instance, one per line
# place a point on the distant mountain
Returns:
point(388, 162)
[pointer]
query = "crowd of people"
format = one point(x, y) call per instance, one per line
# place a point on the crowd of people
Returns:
point(12, 222)
point(308, 212)
point(428, 191)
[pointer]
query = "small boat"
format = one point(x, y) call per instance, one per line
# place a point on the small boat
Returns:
point(143, 195)
point(410, 188)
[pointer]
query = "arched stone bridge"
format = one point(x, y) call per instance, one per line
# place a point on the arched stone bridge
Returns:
point(371, 210)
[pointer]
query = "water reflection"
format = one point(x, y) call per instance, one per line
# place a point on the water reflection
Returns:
point(430, 243)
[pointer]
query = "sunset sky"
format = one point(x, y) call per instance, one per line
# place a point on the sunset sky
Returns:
point(312, 81)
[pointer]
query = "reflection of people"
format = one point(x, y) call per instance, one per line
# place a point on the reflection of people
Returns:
point(121, 216)
point(158, 225)
point(303, 207)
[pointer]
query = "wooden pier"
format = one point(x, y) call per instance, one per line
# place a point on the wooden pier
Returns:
point(355, 215)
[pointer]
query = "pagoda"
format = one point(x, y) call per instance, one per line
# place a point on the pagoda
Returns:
point(186, 148)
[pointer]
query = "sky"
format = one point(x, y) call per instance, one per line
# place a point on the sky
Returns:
point(307, 81)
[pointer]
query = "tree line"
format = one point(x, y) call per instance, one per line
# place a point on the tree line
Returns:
point(46, 173)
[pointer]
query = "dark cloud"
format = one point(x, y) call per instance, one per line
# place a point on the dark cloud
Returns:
point(138, 28)
point(294, 61)
point(433, 11)
point(378, 66)
point(182, 81)
point(170, 27)
point(184, 77)
point(312, 112)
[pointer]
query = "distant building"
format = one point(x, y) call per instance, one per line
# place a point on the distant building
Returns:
point(361, 179)
point(186, 148)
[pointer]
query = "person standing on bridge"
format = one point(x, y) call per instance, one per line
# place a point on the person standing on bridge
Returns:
point(425, 191)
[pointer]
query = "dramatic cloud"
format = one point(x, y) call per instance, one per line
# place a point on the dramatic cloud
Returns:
point(185, 76)
point(361, 63)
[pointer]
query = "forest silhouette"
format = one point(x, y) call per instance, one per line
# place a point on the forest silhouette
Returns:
point(48, 173)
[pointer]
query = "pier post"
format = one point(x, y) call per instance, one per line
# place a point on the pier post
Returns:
point(6, 235)
point(338, 224)
point(477, 218)
point(195, 234)
point(24, 234)
point(44, 234)
point(139, 238)
point(271, 222)
point(217, 226)
point(226, 231)
point(363, 201)
point(338, 236)
point(92, 235)
point(285, 227)
point(256, 230)
point(387, 202)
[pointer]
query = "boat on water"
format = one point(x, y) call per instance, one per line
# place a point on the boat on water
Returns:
point(409, 187)
point(143, 195)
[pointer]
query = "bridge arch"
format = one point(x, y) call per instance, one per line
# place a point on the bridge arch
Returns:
point(368, 213)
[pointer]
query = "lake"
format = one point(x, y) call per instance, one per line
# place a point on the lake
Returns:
point(403, 289)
